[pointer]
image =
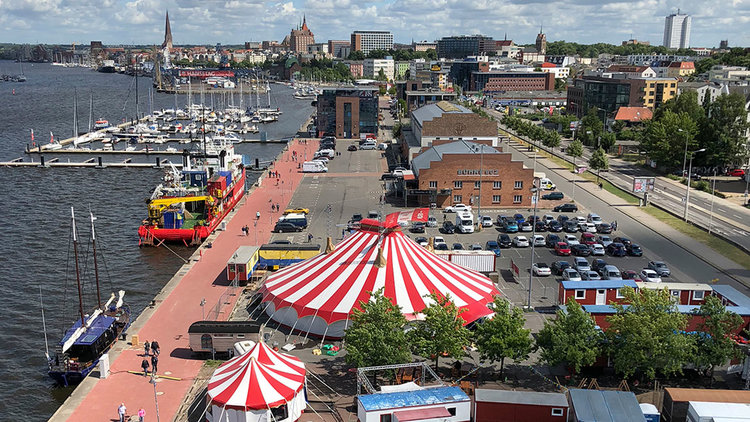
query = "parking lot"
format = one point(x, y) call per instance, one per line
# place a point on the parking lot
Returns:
point(353, 186)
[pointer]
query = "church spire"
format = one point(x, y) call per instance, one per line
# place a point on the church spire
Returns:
point(304, 23)
point(167, 34)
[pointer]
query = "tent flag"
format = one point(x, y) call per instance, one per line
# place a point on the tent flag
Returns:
point(419, 214)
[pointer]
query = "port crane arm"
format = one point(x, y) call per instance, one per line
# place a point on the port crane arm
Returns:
point(157, 206)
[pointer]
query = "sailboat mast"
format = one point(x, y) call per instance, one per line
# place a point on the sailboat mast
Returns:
point(78, 271)
point(96, 264)
point(91, 110)
point(137, 114)
point(268, 93)
point(75, 113)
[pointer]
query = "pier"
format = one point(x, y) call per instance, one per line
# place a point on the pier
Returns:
point(93, 162)
point(178, 305)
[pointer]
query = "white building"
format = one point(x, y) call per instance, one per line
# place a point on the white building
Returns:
point(729, 75)
point(366, 41)
point(677, 31)
point(371, 68)
point(318, 48)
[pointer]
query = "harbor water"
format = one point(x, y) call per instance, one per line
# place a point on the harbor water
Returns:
point(36, 250)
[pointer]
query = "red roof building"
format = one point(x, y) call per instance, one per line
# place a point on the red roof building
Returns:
point(634, 114)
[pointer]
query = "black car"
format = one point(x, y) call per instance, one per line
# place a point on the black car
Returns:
point(580, 250)
point(598, 264)
point(458, 247)
point(566, 208)
point(504, 240)
point(554, 226)
point(562, 219)
point(553, 195)
point(616, 249)
point(540, 226)
point(356, 218)
point(604, 228)
point(634, 249)
point(283, 227)
point(551, 240)
point(327, 145)
point(532, 218)
point(441, 247)
point(449, 227)
point(559, 266)
point(351, 147)
point(571, 226)
point(417, 227)
point(624, 240)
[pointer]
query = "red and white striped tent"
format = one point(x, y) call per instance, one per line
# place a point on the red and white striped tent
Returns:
point(318, 295)
point(261, 385)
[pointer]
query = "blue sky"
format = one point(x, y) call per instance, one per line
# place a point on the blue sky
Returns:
point(236, 21)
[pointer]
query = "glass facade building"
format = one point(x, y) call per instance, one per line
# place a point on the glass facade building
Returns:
point(347, 112)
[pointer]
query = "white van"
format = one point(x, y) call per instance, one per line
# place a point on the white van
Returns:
point(546, 184)
point(314, 167)
point(464, 222)
point(368, 144)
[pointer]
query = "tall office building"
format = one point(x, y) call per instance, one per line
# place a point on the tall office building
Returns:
point(366, 41)
point(677, 31)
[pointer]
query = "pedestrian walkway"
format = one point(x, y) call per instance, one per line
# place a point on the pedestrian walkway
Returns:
point(169, 322)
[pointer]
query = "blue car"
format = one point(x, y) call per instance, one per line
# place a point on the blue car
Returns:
point(519, 218)
point(493, 246)
point(510, 226)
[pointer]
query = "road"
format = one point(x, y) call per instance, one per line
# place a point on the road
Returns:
point(715, 214)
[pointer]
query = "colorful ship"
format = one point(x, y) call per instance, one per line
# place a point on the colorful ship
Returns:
point(93, 334)
point(191, 203)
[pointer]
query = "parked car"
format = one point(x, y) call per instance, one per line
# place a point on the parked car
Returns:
point(296, 211)
point(504, 240)
point(553, 196)
point(526, 227)
point(571, 274)
point(570, 226)
point(458, 247)
point(501, 219)
point(604, 240)
point(540, 226)
point(493, 246)
point(422, 241)
point(486, 221)
point(604, 228)
point(580, 250)
point(624, 240)
point(736, 173)
point(610, 272)
point(597, 249)
point(562, 249)
point(566, 208)
point(660, 268)
point(616, 249)
point(519, 218)
point(571, 240)
point(562, 219)
point(598, 264)
point(457, 208)
point(587, 227)
point(356, 218)
point(551, 240)
point(540, 269)
point(374, 214)
point(554, 226)
point(588, 238)
point(432, 222)
point(594, 218)
point(590, 275)
point(630, 275)
point(547, 218)
point(538, 240)
point(417, 227)
point(581, 264)
point(510, 226)
point(441, 247)
point(559, 266)
point(521, 242)
point(650, 275)
point(580, 219)
point(285, 227)
point(634, 249)
point(351, 147)
point(475, 247)
point(449, 227)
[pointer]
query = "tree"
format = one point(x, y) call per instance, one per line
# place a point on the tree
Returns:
point(575, 150)
point(381, 75)
point(648, 334)
point(725, 131)
point(607, 141)
point(503, 336)
point(598, 161)
point(441, 332)
point(376, 334)
point(571, 338)
point(356, 55)
point(591, 127)
point(551, 139)
point(665, 138)
point(714, 346)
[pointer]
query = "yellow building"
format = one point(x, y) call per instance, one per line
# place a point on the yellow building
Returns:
point(680, 70)
point(656, 91)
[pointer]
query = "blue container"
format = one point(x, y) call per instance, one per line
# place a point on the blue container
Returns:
point(169, 219)
point(179, 219)
point(196, 178)
point(228, 175)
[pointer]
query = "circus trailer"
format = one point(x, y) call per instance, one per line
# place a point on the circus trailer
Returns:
point(209, 337)
point(242, 263)
point(261, 385)
point(317, 296)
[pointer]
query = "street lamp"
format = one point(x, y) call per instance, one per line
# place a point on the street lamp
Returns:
point(684, 159)
point(687, 190)
point(203, 309)
point(534, 199)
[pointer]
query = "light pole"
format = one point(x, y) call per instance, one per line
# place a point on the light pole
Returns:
point(534, 199)
point(687, 190)
point(203, 308)
point(156, 400)
point(479, 205)
point(684, 159)
point(713, 195)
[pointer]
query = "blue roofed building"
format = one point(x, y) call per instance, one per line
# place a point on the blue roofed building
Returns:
point(445, 403)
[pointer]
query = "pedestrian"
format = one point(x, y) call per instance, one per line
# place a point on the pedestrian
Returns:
point(600, 185)
point(144, 365)
point(141, 414)
point(121, 412)
point(257, 215)
point(155, 347)
point(146, 347)
point(154, 362)
point(614, 225)
point(277, 207)
point(309, 237)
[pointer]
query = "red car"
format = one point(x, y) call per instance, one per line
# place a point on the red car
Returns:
point(630, 275)
point(588, 239)
point(736, 172)
point(562, 248)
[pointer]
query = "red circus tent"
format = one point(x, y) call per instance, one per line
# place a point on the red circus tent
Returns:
point(318, 295)
point(261, 381)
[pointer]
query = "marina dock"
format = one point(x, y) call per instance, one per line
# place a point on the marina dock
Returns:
point(178, 305)
point(93, 162)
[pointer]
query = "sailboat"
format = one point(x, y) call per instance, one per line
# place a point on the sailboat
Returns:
point(93, 334)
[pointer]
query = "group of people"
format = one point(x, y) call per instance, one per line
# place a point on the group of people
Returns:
point(150, 349)
point(245, 230)
point(122, 413)
point(275, 207)
point(274, 174)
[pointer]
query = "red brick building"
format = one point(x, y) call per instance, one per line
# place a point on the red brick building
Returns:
point(470, 173)
point(300, 38)
point(512, 81)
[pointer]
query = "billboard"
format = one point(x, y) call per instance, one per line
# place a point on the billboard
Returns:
point(643, 184)
point(206, 73)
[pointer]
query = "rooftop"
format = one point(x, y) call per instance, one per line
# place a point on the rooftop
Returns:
point(435, 153)
point(521, 397)
point(597, 284)
point(402, 399)
point(603, 406)
point(634, 114)
point(431, 111)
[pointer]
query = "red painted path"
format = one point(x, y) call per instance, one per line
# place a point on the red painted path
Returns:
point(171, 320)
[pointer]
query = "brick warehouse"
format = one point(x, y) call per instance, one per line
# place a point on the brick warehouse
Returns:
point(449, 173)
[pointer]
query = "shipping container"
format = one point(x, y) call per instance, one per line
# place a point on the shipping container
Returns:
point(197, 178)
point(217, 186)
point(228, 176)
point(482, 261)
point(711, 412)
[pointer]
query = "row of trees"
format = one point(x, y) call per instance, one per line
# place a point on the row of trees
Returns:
point(325, 70)
point(719, 125)
point(549, 138)
point(648, 337)
point(594, 50)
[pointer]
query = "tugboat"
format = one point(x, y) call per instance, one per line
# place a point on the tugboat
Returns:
point(191, 203)
point(93, 334)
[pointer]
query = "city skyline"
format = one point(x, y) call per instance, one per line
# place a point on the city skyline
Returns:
point(234, 22)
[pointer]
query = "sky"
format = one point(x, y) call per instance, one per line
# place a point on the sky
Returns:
point(236, 21)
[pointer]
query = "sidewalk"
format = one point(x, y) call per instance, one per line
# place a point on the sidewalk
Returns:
point(169, 321)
